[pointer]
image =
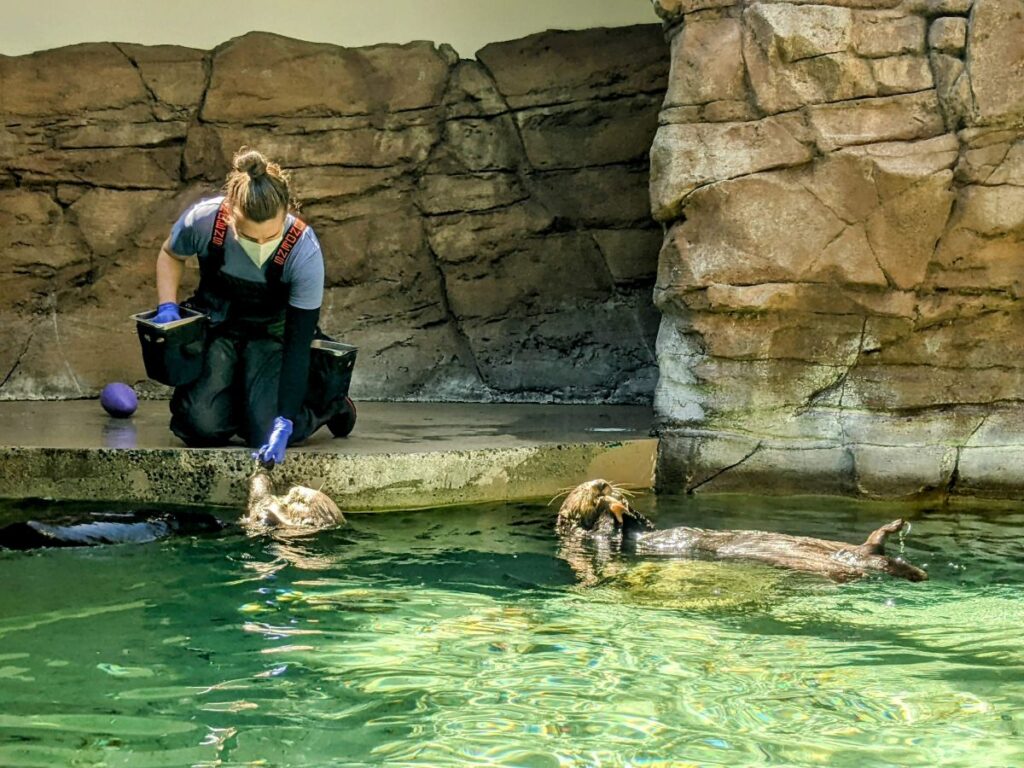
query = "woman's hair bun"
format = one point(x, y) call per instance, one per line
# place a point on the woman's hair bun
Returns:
point(251, 161)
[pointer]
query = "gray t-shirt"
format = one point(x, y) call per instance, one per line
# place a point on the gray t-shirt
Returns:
point(303, 272)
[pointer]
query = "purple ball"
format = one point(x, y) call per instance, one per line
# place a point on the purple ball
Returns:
point(119, 400)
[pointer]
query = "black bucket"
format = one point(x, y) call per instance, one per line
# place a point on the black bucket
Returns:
point(172, 352)
point(330, 370)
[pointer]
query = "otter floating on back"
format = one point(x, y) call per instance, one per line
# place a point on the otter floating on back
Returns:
point(301, 507)
point(598, 509)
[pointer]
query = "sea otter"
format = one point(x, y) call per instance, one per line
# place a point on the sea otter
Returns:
point(100, 527)
point(300, 508)
point(599, 510)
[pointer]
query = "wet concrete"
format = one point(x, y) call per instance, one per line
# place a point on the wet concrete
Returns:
point(400, 455)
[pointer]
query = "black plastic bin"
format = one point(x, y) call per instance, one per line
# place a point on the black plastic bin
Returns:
point(172, 352)
point(331, 363)
point(330, 375)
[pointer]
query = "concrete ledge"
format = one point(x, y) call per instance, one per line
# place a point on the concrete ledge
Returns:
point(401, 455)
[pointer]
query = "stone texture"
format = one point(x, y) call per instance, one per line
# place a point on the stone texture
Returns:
point(688, 156)
point(89, 79)
point(866, 121)
point(841, 310)
point(486, 224)
point(740, 232)
point(728, 112)
point(264, 77)
point(631, 254)
point(822, 298)
point(952, 86)
point(903, 232)
point(619, 131)
point(800, 33)
point(45, 251)
point(887, 33)
point(673, 10)
point(992, 156)
point(938, 7)
point(175, 77)
point(109, 218)
point(995, 58)
point(802, 336)
point(352, 144)
point(740, 464)
point(707, 58)
point(902, 74)
point(981, 249)
point(590, 64)
point(799, 55)
point(948, 34)
point(592, 197)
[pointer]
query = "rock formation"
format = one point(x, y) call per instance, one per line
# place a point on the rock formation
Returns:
point(485, 222)
point(843, 190)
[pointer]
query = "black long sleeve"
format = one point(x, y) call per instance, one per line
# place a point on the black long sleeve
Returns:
point(299, 328)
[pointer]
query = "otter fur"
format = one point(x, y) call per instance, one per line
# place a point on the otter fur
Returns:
point(301, 507)
point(599, 510)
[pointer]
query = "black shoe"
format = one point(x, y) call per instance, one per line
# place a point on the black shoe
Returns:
point(343, 422)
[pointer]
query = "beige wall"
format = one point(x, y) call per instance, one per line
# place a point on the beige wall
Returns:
point(466, 24)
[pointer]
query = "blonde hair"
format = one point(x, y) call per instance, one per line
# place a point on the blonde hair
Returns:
point(258, 187)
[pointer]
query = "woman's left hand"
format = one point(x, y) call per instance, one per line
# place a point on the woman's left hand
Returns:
point(272, 452)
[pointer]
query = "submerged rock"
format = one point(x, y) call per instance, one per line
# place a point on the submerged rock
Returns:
point(697, 585)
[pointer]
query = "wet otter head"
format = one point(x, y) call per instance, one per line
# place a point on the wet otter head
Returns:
point(599, 506)
point(301, 507)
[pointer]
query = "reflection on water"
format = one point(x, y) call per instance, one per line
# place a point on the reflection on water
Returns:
point(119, 433)
point(461, 637)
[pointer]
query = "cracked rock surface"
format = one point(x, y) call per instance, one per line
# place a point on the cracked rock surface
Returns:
point(842, 186)
point(485, 222)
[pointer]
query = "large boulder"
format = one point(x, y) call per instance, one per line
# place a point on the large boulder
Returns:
point(95, 80)
point(263, 77)
point(841, 270)
point(590, 64)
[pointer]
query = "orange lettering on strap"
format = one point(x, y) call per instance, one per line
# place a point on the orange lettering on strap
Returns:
point(289, 241)
point(220, 225)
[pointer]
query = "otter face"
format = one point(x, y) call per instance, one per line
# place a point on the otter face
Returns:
point(599, 507)
point(584, 506)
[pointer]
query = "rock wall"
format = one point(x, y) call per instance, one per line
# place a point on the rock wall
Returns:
point(486, 223)
point(843, 190)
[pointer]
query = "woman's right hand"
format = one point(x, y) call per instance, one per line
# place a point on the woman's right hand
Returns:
point(168, 278)
point(167, 312)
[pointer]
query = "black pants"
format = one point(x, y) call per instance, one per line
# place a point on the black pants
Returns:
point(236, 394)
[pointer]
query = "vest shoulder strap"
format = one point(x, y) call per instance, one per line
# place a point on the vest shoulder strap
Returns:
point(275, 270)
point(215, 250)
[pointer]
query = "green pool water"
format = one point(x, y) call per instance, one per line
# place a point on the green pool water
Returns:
point(463, 637)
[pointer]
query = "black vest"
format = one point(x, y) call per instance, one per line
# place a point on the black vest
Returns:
point(238, 306)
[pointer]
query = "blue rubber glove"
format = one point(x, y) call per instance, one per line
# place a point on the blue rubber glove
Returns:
point(166, 313)
point(272, 452)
